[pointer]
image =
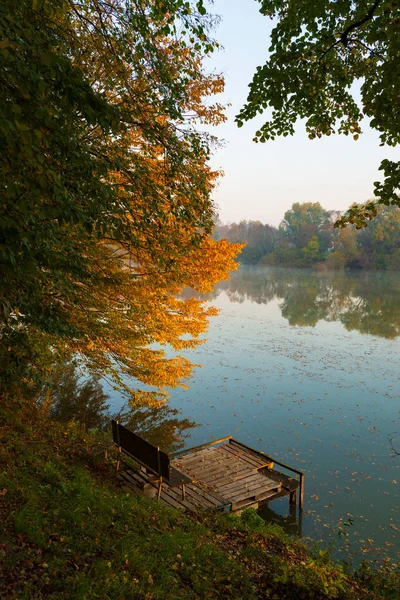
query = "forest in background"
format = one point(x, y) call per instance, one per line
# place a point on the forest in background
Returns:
point(306, 237)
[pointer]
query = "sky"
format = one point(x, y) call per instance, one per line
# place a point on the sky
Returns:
point(262, 181)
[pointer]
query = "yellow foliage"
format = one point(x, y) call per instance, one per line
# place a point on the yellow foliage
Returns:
point(126, 307)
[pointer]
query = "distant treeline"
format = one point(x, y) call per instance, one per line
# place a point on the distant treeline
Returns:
point(307, 238)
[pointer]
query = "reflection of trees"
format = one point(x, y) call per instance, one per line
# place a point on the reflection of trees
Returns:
point(72, 397)
point(161, 426)
point(362, 301)
point(292, 523)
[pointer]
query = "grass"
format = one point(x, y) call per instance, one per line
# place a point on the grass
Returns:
point(70, 532)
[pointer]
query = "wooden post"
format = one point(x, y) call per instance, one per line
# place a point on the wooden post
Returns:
point(119, 449)
point(301, 500)
point(159, 488)
point(118, 459)
point(183, 491)
point(292, 498)
point(159, 473)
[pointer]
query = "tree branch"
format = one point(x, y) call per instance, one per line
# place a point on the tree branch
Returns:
point(344, 36)
point(368, 17)
point(367, 48)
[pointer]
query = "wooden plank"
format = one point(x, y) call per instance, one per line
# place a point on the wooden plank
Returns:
point(170, 501)
point(202, 500)
point(227, 462)
point(240, 454)
point(301, 499)
point(223, 456)
point(238, 497)
point(240, 477)
point(212, 482)
point(171, 497)
point(177, 497)
point(208, 498)
point(222, 477)
point(227, 474)
point(260, 458)
point(211, 492)
point(209, 458)
point(251, 452)
point(192, 500)
point(132, 485)
point(249, 502)
point(271, 494)
point(208, 467)
point(209, 476)
point(212, 479)
point(251, 492)
point(227, 467)
point(239, 484)
point(198, 497)
point(208, 494)
point(197, 448)
point(264, 494)
point(274, 460)
point(231, 476)
point(244, 455)
point(289, 483)
point(274, 496)
point(132, 477)
point(194, 458)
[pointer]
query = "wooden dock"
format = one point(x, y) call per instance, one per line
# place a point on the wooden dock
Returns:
point(226, 475)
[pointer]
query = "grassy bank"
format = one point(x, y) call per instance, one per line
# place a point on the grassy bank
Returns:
point(70, 532)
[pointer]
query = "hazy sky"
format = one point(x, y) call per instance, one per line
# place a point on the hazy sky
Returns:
point(263, 180)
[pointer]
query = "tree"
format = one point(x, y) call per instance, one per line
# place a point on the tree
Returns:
point(380, 242)
point(106, 192)
point(302, 222)
point(318, 51)
point(259, 239)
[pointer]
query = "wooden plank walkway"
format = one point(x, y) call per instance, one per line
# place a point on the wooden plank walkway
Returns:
point(197, 496)
point(228, 476)
point(231, 473)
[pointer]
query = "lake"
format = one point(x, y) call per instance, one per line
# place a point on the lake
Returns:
point(305, 367)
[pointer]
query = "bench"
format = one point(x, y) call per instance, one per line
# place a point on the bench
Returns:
point(151, 458)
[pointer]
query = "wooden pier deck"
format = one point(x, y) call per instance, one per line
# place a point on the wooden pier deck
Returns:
point(226, 475)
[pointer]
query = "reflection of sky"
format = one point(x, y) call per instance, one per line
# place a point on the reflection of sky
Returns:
point(320, 398)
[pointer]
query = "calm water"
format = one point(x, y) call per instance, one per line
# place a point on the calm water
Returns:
point(305, 367)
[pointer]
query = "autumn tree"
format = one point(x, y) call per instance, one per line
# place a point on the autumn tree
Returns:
point(379, 243)
point(106, 189)
point(318, 51)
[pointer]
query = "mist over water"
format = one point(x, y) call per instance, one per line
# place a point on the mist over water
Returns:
point(305, 366)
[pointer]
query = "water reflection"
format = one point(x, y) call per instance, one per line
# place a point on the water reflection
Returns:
point(363, 301)
point(72, 397)
point(291, 522)
point(162, 427)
